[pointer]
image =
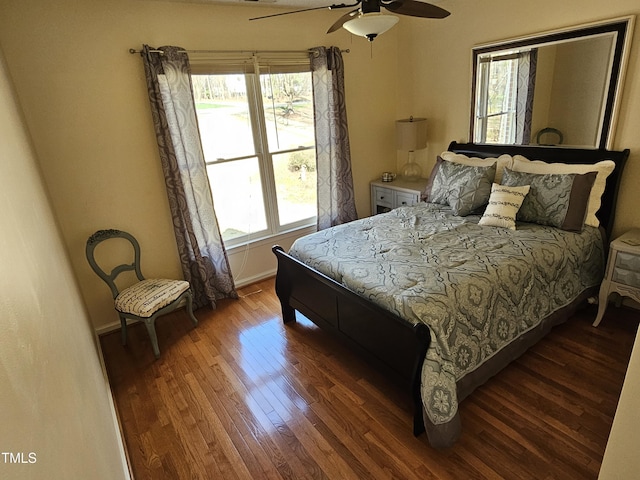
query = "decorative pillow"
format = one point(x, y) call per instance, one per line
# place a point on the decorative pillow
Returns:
point(555, 199)
point(603, 169)
point(465, 188)
point(501, 162)
point(504, 204)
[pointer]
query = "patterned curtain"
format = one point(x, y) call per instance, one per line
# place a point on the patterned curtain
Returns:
point(336, 202)
point(202, 255)
point(527, 63)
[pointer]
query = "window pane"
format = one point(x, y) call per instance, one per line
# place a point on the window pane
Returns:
point(502, 86)
point(223, 116)
point(237, 196)
point(494, 129)
point(295, 175)
point(288, 110)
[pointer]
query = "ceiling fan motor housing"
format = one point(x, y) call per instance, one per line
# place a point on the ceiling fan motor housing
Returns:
point(370, 6)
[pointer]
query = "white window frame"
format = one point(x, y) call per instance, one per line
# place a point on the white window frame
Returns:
point(252, 67)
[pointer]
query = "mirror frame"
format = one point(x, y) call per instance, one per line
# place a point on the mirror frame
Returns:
point(622, 26)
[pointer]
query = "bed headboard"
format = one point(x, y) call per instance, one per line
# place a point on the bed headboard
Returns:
point(606, 214)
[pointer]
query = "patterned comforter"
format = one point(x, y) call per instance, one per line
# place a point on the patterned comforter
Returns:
point(477, 288)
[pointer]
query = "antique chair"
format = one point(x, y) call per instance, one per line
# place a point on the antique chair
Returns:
point(145, 300)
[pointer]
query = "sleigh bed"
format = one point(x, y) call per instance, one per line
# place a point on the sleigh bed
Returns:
point(440, 297)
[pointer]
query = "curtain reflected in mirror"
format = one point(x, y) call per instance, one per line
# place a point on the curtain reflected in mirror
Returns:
point(557, 88)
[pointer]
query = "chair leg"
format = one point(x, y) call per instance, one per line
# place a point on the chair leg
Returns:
point(190, 308)
point(151, 329)
point(123, 329)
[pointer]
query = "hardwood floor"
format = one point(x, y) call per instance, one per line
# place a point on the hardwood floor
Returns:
point(243, 396)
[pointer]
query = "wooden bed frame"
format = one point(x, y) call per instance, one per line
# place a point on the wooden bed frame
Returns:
point(389, 342)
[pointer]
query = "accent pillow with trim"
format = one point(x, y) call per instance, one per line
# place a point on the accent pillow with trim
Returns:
point(465, 188)
point(555, 199)
point(503, 206)
point(501, 162)
point(603, 170)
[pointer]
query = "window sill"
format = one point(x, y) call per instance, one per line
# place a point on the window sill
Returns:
point(272, 239)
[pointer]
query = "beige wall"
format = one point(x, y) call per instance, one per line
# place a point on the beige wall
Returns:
point(55, 407)
point(86, 109)
point(439, 55)
point(86, 105)
point(577, 92)
point(621, 460)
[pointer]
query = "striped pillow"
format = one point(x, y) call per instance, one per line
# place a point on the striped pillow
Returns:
point(503, 206)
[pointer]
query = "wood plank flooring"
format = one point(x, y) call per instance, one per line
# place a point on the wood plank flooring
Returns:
point(244, 397)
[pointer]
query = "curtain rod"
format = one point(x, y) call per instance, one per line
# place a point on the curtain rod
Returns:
point(133, 50)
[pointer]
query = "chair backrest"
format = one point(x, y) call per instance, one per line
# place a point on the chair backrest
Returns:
point(110, 277)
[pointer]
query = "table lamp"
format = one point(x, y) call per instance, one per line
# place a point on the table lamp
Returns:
point(411, 135)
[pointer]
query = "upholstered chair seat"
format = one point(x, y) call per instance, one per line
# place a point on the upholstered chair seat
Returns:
point(148, 296)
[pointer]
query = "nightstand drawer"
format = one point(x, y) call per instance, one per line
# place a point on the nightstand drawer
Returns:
point(384, 196)
point(406, 199)
point(628, 261)
point(626, 277)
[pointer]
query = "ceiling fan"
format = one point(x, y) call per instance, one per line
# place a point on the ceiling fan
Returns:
point(367, 20)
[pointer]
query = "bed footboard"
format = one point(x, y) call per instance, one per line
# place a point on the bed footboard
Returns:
point(389, 342)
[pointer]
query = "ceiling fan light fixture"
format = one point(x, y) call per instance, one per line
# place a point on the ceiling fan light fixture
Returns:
point(370, 25)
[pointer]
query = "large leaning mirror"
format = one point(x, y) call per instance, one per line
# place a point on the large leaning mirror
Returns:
point(555, 88)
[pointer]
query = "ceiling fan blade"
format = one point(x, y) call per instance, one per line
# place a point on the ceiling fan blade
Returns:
point(342, 20)
point(330, 7)
point(414, 8)
point(288, 13)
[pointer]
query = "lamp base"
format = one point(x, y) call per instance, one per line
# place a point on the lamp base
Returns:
point(411, 171)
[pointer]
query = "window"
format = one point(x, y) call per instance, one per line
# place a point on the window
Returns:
point(257, 135)
point(496, 108)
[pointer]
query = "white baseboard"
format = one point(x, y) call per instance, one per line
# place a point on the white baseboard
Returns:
point(124, 456)
point(111, 327)
point(243, 282)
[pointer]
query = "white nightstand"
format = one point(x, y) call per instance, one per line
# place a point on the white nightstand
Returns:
point(623, 271)
point(386, 196)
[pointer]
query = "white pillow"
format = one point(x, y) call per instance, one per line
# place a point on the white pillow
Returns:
point(603, 169)
point(501, 162)
point(503, 206)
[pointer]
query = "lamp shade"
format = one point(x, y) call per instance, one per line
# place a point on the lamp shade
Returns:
point(411, 134)
point(370, 25)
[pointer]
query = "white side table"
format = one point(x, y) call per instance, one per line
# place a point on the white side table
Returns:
point(623, 271)
point(386, 196)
